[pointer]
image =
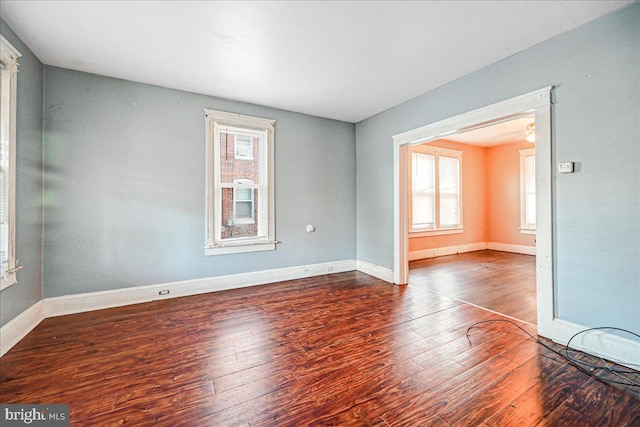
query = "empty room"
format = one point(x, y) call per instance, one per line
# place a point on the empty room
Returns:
point(288, 213)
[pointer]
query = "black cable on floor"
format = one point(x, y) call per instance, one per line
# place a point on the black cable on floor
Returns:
point(590, 369)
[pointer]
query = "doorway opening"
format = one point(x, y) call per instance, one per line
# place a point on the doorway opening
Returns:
point(473, 193)
point(536, 105)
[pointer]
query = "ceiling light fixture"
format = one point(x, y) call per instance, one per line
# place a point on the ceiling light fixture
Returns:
point(531, 133)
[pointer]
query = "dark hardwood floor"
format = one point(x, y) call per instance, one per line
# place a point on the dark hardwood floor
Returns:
point(499, 281)
point(345, 349)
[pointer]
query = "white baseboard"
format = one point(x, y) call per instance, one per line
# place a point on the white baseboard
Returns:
point(517, 249)
point(448, 250)
point(18, 327)
point(374, 270)
point(78, 303)
point(621, 350)
point(618, 349)
point(21, 325)
point(471, 247)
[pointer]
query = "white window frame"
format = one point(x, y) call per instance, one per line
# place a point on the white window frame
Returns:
point(437, 152)
point(237, 152)
point(9, 58)
point(264, 130)
point(524, 227)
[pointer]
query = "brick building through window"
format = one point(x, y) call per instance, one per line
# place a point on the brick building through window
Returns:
point(240, 168)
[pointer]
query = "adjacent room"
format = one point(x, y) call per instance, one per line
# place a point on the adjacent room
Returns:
point(407, 213)
point(473, 193)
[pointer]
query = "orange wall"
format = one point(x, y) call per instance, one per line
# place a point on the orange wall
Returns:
point(473, 201)
point(503, 195)
point(490, 198)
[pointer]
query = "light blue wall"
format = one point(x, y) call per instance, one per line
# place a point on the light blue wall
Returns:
point(596, 115)
point(124, 175)
point(125, 183)
point(22, 295)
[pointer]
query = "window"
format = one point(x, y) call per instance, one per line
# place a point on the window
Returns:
point(436, 196)
point(243, 201)
point(243, 147)
point(8, 82)
point(240, 202)
point(528, 191)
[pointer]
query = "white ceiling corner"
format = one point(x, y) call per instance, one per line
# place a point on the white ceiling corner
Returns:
point(342, 60)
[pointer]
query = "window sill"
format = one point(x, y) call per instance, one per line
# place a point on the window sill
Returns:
point(527, 231)
point(244, 221)
point(5, 282)
point(441, 232)
point(237, 248)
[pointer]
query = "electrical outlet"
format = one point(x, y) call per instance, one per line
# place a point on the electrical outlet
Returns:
point(164, 292)
point(565, 167)
point(329, 269)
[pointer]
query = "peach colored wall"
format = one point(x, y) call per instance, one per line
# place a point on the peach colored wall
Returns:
point(473, 201)
point(503, 195)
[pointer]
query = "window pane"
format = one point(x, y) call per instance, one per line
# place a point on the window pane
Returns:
point(244, 205)
point(5, 117)
point(243, 147)
point(243, 194)
point(243, 210)
point(531, 211)
point(530, 172)
point(530, 191)
point(233, 168)
point(423, 210)
point(239, 219)
point(422, 168)
point(423, 191)
point(449, 174)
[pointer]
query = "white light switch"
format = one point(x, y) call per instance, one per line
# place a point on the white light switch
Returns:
point(565, 167)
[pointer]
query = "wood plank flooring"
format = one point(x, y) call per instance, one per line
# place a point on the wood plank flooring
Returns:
point(339, 350)
point(500, 281)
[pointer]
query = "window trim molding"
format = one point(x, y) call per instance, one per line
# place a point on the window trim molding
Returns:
point(524, 153)
point(439, 232)
point(9, 57)
point(437, 152)
point(213, 119)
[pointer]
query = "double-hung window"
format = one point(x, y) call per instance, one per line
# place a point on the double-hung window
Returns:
point(239, 200)
point(528, 191)
point(8, 84)
point(436, 195)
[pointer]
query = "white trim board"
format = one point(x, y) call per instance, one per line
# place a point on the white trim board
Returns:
point(471, 247)
point(516, 249)
point(508, 109)
point(623, 351)
point(447, 250)
point(18, 327)
point(539, 102)
point(609, 346)
point(25, 322)
point(374, 270)
point(79, 303)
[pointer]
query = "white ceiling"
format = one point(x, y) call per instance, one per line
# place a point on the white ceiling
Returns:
point(502, 133)
point(343, 60)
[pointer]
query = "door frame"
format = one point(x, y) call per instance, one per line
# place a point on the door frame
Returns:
point(538, 103)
